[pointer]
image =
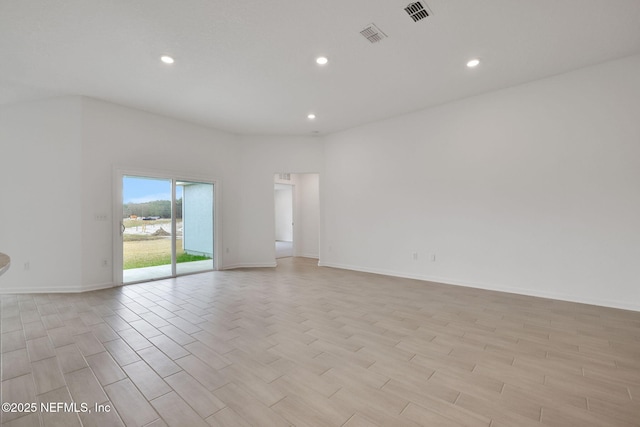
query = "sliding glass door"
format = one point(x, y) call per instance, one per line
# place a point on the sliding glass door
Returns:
point(147, 221)
point(167, 227)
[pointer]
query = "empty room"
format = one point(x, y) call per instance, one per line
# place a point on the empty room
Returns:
point(336, 213)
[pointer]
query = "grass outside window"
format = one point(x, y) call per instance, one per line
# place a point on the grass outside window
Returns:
point(141, 250)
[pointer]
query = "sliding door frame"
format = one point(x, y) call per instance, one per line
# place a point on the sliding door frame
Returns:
point(120, 172)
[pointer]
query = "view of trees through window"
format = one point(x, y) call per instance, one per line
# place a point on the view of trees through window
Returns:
point(157, 208)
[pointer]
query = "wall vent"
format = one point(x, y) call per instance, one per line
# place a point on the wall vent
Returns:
point(417, 11)
point(373, 33)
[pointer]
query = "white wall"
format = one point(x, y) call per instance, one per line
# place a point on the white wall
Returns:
point(60, 155)
point(532, 189)
point(40, 211)
point(115, 136)
point(57, 165)
point(261, 158)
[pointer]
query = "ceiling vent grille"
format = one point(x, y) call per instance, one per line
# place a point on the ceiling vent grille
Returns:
point(373, 33)
point(417, 11)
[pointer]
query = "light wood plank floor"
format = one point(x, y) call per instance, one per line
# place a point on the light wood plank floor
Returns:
point(308, 346)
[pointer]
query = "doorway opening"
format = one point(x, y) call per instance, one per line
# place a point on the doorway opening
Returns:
point(297, 215)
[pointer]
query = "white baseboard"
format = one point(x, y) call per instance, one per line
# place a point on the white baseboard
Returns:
point(55, 289)
point(624, 305)
point(100, 286)
point(249, 265)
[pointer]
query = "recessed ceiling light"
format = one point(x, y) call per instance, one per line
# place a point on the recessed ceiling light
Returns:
point(311, 116)
point(473, 63)
point(167, 59)
point(322, 60)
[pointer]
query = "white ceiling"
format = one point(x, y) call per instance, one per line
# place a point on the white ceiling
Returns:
point(248, 66)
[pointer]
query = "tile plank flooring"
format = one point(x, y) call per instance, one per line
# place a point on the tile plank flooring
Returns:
point(301, 345)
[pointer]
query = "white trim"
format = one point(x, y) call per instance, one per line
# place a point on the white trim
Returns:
point(174, 243)
point(56, 289)
point(295, 223)
point(294, 213)
point(477, 285)
point(249, 265)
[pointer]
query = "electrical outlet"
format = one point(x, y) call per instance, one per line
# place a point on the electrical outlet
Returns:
point(433, 257)
point(105, 263)
point(101, 217)
point(415, 256)
point(27, 266)
point(227, 250)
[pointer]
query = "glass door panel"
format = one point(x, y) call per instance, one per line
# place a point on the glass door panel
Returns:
point(194, 227)
point(147, 218)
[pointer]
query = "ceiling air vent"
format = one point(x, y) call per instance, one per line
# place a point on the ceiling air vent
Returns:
point(373, 33)
point(417, 11)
